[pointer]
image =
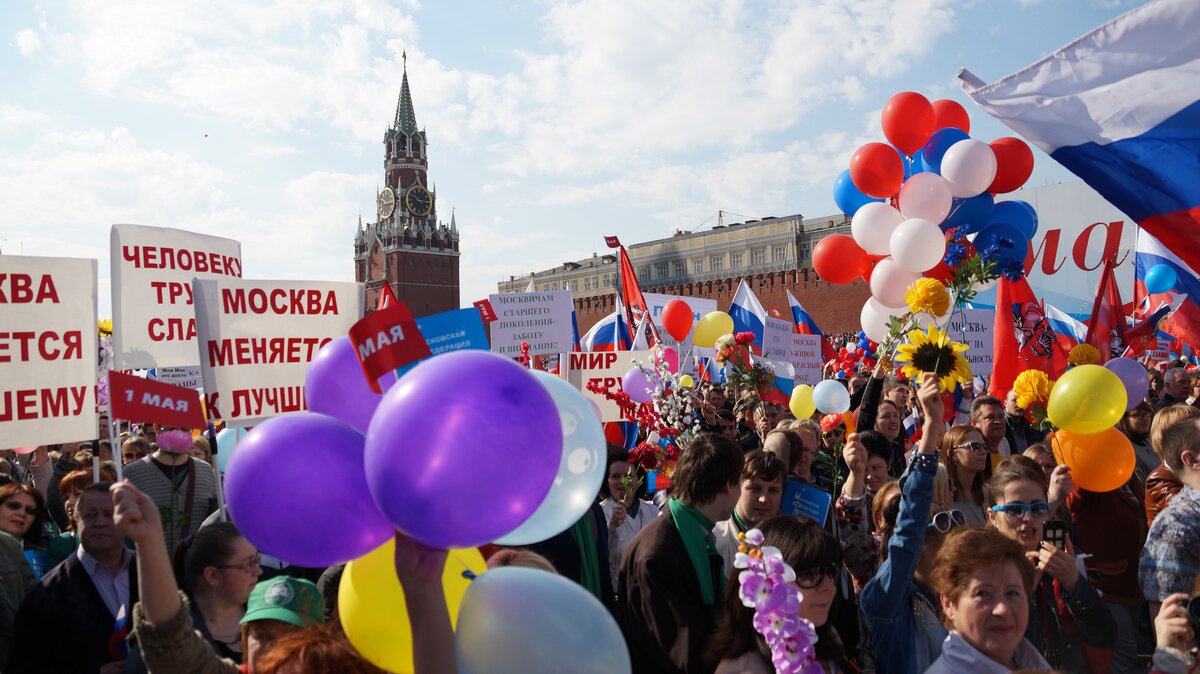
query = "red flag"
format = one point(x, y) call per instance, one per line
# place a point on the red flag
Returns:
point(486, 312)
point(153, 402)
point(387, 298)
point(1143, 337)
point(1023, 338)
point(1106, 330)
point(612, 242)
point(385, 340)
point(631, 294)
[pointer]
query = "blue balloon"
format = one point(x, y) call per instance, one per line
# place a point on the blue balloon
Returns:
point(1019, 214)
point(570, 630)
point(847, 196)
point(1160, 278)
point(1004, 256)
point(831, 397)
point(580, 471)
point(938, 143)
point(969, 215)
point(227, 442)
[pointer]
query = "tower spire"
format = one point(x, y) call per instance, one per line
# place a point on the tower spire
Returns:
point(406, 117)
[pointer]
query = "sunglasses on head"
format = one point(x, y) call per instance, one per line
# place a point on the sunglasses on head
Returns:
point(946, 520)
point(1039, 510)
point(29, 510)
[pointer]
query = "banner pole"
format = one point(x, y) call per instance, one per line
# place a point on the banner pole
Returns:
point(212, 441)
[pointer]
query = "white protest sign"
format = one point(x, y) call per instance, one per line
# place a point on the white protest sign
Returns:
point(605, 368)
point(700, 306)
point(152, 272)
point(187, 377)
point(541, 319)
point(47, 350)
point(805, 357)
point(777, 341)
point(258, 337)
point(973, 327)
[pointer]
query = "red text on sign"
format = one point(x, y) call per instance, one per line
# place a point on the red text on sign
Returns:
point(20, 289)
point(48, 344)
point(42, 403)
point(278, 301)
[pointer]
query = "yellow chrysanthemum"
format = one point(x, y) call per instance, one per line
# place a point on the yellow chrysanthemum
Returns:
point(934, 352)
point(929, 296)
point(1083, 354)
point(1032, 388)
point(104, 327)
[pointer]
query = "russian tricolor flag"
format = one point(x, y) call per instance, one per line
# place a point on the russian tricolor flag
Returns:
point(1184, 324)
point(748, 315)
point(611, 333)
point(805, 325)
point(1120, 108)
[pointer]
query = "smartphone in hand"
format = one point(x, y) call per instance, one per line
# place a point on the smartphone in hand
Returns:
point(1055, 533)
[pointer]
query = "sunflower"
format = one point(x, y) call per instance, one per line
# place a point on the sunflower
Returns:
point(934, 352)
point(1083, 354)
point(104, 327)
point(927, 295)
point(1032, 388)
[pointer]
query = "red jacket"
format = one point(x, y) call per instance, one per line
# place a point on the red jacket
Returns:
point(1161, 486)
point(1111, 526)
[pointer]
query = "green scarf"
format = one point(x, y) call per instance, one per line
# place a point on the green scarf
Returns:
point(737, 522)
point(589, 561)
point(695, 529)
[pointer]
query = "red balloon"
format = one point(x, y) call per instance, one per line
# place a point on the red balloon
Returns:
point(838, 259)
point(908, 122)
point(1014, 164)
point(614, 434)
point(949, 113)
point(677, 318)
point(877, 170)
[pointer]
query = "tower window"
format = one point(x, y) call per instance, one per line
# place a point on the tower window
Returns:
point(416, 145)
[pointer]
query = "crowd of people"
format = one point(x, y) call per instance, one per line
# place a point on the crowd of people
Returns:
point(952, 542)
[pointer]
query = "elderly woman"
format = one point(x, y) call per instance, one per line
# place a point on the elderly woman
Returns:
point(1064, 607)
point(983, 581)
point(1136, 426)
point(23, 516)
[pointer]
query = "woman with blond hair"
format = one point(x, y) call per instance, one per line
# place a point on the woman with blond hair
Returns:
point(1161, 484)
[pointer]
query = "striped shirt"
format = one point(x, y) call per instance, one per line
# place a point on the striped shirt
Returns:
point(150, 479)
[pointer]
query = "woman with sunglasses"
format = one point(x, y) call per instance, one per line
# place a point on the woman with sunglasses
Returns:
point(1135, 425)
point(901, 611)
point(1063, 607)
point(815, 555)
point(218, 569)
point(23, 516)
point(964, 453)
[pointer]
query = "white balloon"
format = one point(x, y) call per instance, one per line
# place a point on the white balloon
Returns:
point(889, 281)
point(969, 167)
point(925, 195)
point(873, 225)
point(918, 245)
point(874, 319)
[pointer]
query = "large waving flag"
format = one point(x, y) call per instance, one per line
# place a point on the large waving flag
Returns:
point(1106, 329)
point(1023, 338)
point(748, 315)
point(611, 333)
point(805, 325)
point(1184, 324)
point(1120, 108)
point(1068, 332)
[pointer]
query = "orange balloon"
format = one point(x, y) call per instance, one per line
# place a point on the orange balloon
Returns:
point(1099, 462)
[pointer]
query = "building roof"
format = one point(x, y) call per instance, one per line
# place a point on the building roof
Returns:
point(406, 116)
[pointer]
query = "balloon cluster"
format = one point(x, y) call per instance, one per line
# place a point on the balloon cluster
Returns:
point(915, 200)
point(859, 355)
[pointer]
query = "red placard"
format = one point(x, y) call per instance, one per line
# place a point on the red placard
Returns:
point(153, 402)
point(485, 310)
point(612, 242)
point(385, 340)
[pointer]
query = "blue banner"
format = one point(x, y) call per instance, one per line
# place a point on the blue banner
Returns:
point(451, 331)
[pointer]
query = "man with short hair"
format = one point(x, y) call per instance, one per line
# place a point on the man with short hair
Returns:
point(727, 424)
point(672, 580)
point(1176, 387)
point(1171, 557)
point(89, 597)
point(1020, 433)
point(900, 394)
point(763, 477)
point(987, 414)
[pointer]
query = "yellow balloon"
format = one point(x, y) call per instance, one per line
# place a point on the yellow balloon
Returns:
point(372, 610)
point(686, 381)
point(802, 404)
point(1086, 400)
point(712, 327)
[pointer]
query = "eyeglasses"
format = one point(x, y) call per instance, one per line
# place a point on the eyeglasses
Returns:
point(973, 446)
point(946, 520)
point(1016, 512)
point(1048, 467)
point(32, 511)
point(837, 432)
point(249, 567)
point(814, 577)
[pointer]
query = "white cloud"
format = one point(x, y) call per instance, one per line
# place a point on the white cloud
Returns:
point(13, 117)
point(28, 42)
point(268, 150)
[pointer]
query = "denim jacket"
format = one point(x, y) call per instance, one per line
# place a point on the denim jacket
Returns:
point(905, 620)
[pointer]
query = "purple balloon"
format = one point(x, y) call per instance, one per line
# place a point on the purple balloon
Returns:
point(1135, 378)
point(335, 385)
point(464, 449)
point(297, 490)
point(637, 385)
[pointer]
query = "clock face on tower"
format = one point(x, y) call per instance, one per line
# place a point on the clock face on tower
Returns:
point(418, 200)
point(387, 203)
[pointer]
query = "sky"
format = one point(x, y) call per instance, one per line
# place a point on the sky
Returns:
point(551, 123)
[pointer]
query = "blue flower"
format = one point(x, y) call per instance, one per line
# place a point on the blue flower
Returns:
point(955, 254)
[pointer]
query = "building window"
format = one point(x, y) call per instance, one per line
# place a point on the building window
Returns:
point(760, 257)
point(575, 286)
point(697, 266)
point(660, 270)
point(717, 263)
point(644, 272)
point(779, 258)
point(607, 282)
point(587, 284)
point(804, 251)
point(680, 269)
point(737, 260)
